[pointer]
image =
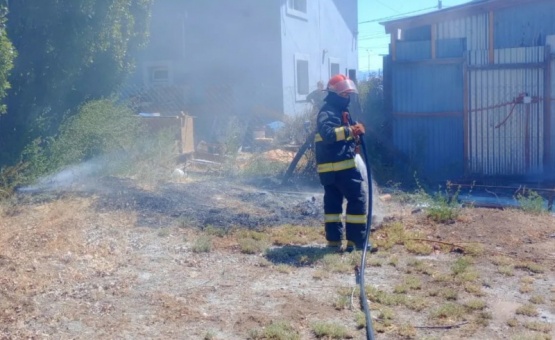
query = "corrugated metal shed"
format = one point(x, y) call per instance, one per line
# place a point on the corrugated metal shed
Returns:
point(471, 28)
point(506, 132)
point(433, 144)
point(428, 116)
point(477, 97)
point(414, 50)
point(525, 25)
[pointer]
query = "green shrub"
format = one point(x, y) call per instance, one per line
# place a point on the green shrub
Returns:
point(442, 206)
point(530, 201)
point(98, 128)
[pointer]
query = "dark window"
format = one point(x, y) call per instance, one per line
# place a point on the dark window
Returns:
point(334, 69)
point(302, 77)
point(158, 74)
point(298, 5)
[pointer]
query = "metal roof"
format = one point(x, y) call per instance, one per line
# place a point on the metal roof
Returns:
point(468, 9)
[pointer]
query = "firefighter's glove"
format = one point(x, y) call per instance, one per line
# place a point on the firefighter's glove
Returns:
point(357, 129)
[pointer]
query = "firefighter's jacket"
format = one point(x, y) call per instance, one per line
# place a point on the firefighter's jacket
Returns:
point(334, 144)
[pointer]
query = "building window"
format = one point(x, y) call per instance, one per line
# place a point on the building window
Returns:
point(158, 74)
point(301, 77)
point(298, 5)
point(297, 8)
point(334, 66)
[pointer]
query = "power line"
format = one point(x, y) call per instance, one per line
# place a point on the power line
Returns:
point(386, 5)
point(396, 16)
point(384, 37)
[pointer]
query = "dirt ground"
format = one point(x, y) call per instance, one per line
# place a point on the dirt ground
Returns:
point(116, 260)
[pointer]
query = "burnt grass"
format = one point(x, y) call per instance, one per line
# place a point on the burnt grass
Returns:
point(218, 203)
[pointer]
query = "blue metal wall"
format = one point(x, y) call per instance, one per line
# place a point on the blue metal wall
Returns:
point(428, 96)
point(428, 116)
point(414, 50)
point(434, 145)
point(451, 48)
point(427, 88)
point(524, 26)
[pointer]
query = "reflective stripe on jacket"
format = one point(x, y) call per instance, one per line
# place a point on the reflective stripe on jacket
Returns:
point(335, 147)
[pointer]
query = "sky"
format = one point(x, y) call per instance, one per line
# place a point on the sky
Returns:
point(372, 38)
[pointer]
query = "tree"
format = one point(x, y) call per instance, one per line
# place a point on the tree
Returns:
point(69, 52)
point(7, 54)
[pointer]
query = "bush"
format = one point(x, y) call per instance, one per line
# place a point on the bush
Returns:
point(99, 127)
point(530, 201)
point(443, 205)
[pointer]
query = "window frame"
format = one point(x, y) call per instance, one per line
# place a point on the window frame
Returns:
point(298, 95)
point(335, 61)
point(150, 70)
point(292, 11)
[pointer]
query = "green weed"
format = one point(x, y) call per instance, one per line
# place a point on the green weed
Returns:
point(441, 207)
point(530, 266)
point(528, 310)
point(276, 331)
point(330, 330)
point(251, 246)
point(543, 327)
point(531, 202)
point(461, 265)
point(203, 244)
point(537, 299)
point(475, 304)
point(336, 263)
point(449, 311)
point(289, 234)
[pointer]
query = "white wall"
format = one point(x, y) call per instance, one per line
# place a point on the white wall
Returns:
point(328, 32)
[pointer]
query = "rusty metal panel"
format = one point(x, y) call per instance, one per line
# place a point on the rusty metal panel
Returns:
point(472, 28)
point(434, 144)
point(506, 118)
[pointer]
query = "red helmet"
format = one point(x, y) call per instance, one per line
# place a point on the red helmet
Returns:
point(341, 84)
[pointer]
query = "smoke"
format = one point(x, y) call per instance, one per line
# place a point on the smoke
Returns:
point(377, 211)
point(80, 176)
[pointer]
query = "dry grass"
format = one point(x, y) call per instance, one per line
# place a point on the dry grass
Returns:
point(530, 266)
point(48, 245)
point(55, 245)
point(527, 310)
point(544, 327)
point(290, 234)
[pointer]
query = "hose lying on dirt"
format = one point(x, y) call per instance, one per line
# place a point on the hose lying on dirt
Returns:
point(360, 272)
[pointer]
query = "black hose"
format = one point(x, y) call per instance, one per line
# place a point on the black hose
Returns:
point(363, 300)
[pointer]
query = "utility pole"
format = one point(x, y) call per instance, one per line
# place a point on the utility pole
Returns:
point(439, 4)
point(368, 52)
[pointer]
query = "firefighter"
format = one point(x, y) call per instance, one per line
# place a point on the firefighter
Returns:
point(316, 97)
point(336, 144)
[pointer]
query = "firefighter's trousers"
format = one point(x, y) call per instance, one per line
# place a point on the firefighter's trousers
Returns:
point(337, 186)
